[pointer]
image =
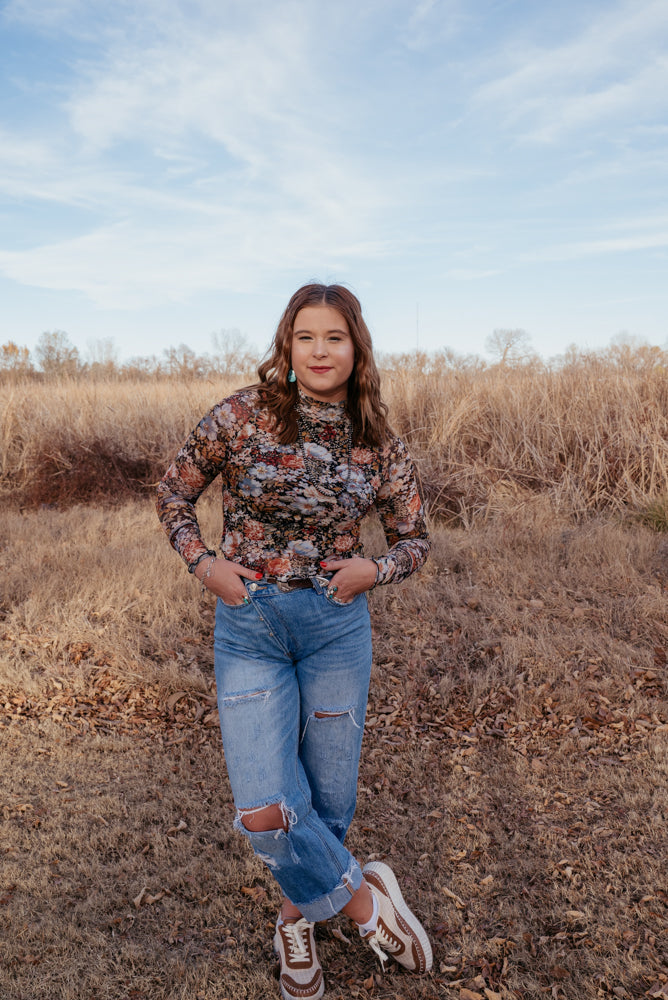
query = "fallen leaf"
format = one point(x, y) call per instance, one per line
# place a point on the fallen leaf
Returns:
point(459, 903)
point(340, 936)
point(465, 994)
point(137, 901)
point(172, 700)
point(256, 893)
point(177, 829)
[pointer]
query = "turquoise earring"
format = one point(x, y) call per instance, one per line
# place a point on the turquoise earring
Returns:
point(291, 376)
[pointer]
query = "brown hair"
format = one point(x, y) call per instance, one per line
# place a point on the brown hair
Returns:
point(364, 404)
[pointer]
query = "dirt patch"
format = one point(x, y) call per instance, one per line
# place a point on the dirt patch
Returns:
point(87, 474)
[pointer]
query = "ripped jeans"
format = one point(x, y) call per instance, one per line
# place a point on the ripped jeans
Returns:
point(280, 661)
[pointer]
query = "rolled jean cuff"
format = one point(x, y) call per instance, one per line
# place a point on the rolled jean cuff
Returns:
point(333, 902)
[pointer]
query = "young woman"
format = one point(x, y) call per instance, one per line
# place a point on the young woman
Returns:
point(303, 456)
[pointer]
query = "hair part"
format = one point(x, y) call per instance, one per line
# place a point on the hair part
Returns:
point(364, 404)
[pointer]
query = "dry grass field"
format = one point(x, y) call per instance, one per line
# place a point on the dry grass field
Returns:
point(515, 764)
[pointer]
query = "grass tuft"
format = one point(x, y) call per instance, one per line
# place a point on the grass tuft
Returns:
point(655, 514)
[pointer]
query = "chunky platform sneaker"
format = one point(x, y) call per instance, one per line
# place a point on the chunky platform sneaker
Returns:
point(301, 972)
point(399, 933)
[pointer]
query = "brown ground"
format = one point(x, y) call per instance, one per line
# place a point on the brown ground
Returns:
point(515, 769)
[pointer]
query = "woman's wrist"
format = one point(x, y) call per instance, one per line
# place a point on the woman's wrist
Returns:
point(204, 555)
point(208, 568)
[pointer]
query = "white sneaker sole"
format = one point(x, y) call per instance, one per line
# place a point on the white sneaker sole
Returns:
point(386, 877)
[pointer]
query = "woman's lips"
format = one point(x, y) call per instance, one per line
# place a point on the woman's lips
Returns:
point(320, 370)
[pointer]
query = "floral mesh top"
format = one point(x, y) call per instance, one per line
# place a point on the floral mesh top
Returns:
point(275, 520)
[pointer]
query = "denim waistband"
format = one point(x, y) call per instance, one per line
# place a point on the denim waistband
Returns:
point(318, 583)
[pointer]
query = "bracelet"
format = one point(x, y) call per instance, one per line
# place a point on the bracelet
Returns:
point(207, 573)
point(193, 566)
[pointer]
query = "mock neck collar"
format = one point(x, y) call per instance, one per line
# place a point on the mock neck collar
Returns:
point(318, 409)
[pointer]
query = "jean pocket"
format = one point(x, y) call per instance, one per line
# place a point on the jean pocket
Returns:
point(234, 607)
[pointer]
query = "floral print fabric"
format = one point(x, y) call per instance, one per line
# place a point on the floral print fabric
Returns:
point(274, 518)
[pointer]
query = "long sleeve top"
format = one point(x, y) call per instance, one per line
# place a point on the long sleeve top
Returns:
point(275, 519)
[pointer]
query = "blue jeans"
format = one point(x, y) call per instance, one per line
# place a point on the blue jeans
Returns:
point(280, 660)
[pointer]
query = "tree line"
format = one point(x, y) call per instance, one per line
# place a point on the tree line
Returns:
point(55, 357)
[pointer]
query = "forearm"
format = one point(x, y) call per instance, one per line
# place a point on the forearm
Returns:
point(402, 559)
point(175, 506)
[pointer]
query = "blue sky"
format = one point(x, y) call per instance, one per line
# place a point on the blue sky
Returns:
point(170, 168)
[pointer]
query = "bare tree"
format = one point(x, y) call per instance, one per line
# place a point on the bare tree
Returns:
point(102, 358)
point(56, 356)
point(509, 346)
point(182, 362)
point(14, 360)
point(232, 354)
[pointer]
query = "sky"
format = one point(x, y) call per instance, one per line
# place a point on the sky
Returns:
point(174, 168)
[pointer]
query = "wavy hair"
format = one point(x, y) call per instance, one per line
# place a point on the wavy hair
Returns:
point(364, 405)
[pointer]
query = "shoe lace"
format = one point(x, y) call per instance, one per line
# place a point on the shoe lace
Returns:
point(297, 937)
point(381, 943)
point(375, 945)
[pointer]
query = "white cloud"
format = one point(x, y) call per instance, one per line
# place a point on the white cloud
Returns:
point(630, 242)
point(195, 80)
point(39, 14)
point(432, 22)
point(615, 69)
point(128, 265)
point(235, 171)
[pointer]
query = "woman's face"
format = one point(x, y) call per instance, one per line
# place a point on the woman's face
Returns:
point(323, 353)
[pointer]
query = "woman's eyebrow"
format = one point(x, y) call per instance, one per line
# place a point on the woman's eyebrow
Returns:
point(334, 330)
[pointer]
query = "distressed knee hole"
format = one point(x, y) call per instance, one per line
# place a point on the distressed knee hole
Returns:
point(321, 714)
point(272, 817)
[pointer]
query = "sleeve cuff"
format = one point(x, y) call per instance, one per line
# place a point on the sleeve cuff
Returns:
point(193, 565)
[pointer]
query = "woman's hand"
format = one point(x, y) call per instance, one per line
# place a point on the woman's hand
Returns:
point(351, 576)
point(223, 578)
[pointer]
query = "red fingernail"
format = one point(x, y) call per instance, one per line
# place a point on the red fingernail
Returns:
point(258, 576)
point(323, 564)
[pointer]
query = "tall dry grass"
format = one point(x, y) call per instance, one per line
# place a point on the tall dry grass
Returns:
point(591, 435)
point(72, 440)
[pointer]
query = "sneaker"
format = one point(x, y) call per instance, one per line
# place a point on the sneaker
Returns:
point(399, 932)
point(301, 972)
